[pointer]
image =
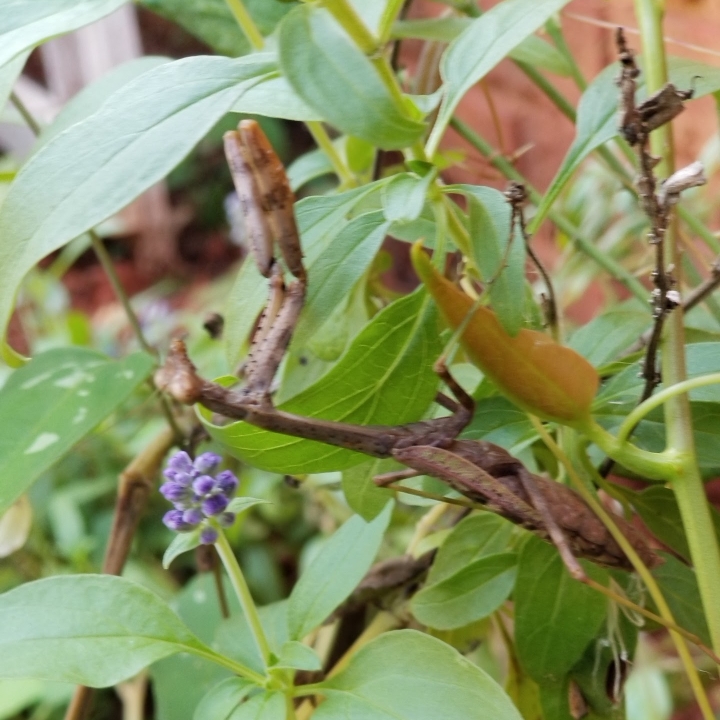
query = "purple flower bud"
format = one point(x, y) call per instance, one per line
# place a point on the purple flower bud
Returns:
point(193, 516)
point(181, 461)
point(206, 462)
point(174, 491)
point(226, 519)
point(178, 476)
point(173, 519)
point(208, 535)
point(227, 482)
point(204, 484)
point(214, 504)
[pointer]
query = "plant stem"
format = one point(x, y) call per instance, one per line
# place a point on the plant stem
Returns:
point(614, 268)
point(687, 483)
point(242, 591)
point(236, 667)
point(323, 141)
point(26, 114)
point(640, 568)
point(662, 397)
point(246, 23)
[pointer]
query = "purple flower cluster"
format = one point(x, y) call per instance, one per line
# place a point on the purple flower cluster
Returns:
point(198, 495)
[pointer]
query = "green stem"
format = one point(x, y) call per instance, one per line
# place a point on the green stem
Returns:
point(236, 667)
point(390, 13)
point(323, 141)
point(638, 565)
point(606, 262)
point(686, 482)
point(26, 114)
point(555, 31)
point(662, 397)
point(246, 23)
point(242, 591)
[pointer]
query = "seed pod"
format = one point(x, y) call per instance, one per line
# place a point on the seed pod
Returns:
point(276, 197)
point(258, 230)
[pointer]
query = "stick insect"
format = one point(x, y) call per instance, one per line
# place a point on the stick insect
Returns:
point(481, 471)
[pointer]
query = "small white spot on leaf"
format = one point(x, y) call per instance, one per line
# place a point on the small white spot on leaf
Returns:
point(127, 374)
point(42, 441)
point(83, 393)
point(32, 382)
point(73, 379)
point(80, 415)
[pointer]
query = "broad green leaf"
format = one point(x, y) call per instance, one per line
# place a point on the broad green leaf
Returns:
point(27, 23)
point(334, 77)
point(297, 656)
point(9, 74)
point(213, 22)
point(531, 369)
point(181, 543)
point(54, 401)
point(99, 165)
point(275, 97)
point(607, 335)
point(268, 705)
point(180, 682)
point(385, 377)
point(597, 121)
point(555, 616)
point(335, 572)
point(498, 254)
point(319, 220)
point(473, 538)
point(308, 167)
point(406, 675)
point(498, 421)
point(338, 268)
point(223, 699)
point(106, 629)
point(482, 46)
point(532, 50)
point(90, 99)
point(404, 196)
point(678, 584)
point(361, 493)
point(472, 593)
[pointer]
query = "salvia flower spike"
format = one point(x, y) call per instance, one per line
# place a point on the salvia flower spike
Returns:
point(199, 497)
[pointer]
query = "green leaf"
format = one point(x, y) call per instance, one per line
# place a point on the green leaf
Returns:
point(274, 97)
point(333, 76)
point(181, 543)
point(597, 121)
point(475, 537)
point(91, 98)
point(222, 699)
point(472, 593)
point(296, 656)
point(361, 493)
point(499, 257)
point(678, 584)
point(99, 165)
point(106, 629)
point(27, 23)
point(404, 196)
point(482, 46)
point(213, 22)
point(335, 572)
point(555, 616)
point(240, 504)
point(607, 335)
point(532, 50)
point(498, 421)
point(385, 377)
point(54, 401)
point(308, 167)
point(319, 220)
point(338, 268)
point(406, 675)
point(9, 73)
point(269, 705)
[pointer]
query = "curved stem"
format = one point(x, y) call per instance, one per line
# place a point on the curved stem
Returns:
point(236, 667)
point(323, 141)
point(640, 568)
point(662, 397)
point(243, 595)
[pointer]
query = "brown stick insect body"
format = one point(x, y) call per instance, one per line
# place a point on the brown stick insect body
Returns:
point(481, 471)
